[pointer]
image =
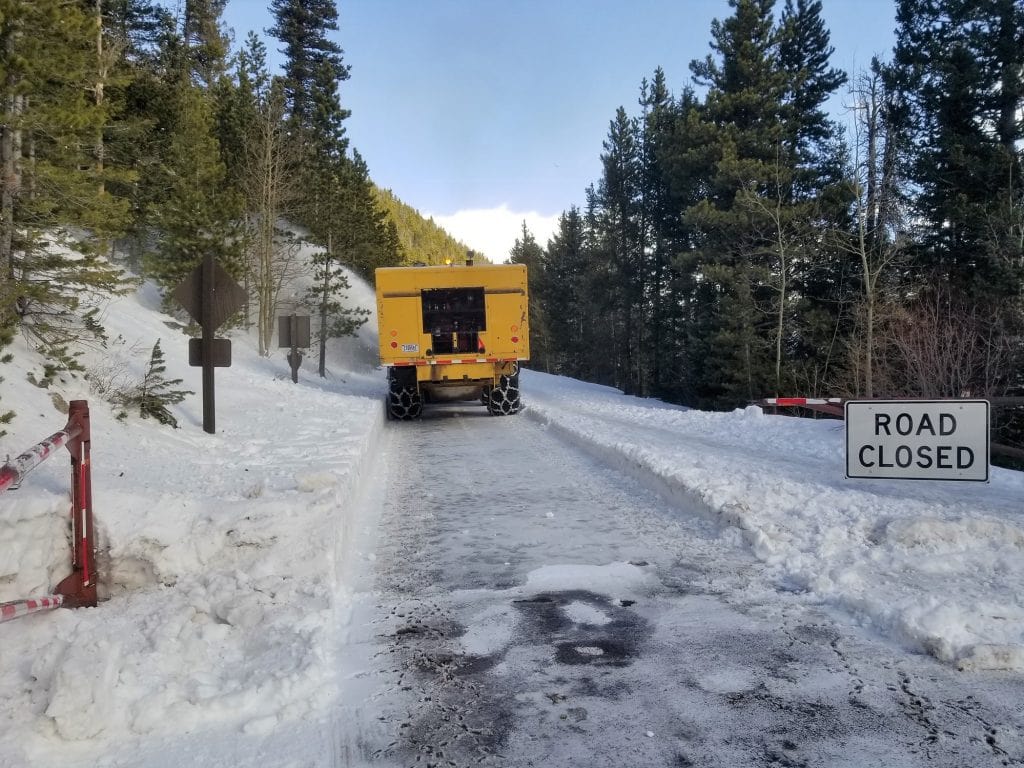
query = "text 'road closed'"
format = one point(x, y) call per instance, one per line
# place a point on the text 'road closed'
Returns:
point(917, 439)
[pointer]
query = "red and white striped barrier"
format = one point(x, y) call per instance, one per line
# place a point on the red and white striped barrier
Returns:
point(12, 472)
point(78, 589)
point(784, 401)
point(830, 406)
point(19, 608)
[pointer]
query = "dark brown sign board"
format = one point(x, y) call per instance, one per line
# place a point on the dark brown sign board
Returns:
point(284, 331)
point(228, 296)
point(220, 353)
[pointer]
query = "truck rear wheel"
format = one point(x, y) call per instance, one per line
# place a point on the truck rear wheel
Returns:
point(504, 399)
point(405, 403)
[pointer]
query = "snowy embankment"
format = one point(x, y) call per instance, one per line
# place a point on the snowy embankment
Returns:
point(935, 566)
point(221, 554)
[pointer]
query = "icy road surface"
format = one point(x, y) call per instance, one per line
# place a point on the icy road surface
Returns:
point(523, 604)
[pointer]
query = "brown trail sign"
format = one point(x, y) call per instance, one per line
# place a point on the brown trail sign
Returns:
point(210, 296)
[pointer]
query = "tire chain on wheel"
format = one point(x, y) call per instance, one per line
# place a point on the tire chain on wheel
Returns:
point(504, 399)
point(405, 403)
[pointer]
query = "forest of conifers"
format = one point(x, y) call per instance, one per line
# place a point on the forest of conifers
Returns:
point(133, 135)
point(738, 244)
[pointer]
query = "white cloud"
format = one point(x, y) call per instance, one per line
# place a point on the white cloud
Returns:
point(493, 231)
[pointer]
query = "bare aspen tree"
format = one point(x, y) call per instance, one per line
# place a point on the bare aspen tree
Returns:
point(270, 184)
point(779, 239)
point(940, 346)
point(876, 208)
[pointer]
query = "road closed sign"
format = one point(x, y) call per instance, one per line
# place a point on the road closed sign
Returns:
point(917, 439)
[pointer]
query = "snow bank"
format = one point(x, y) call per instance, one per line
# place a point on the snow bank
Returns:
point(220, 553)
point(937, 566)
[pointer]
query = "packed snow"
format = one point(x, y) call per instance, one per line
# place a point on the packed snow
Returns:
point(227, 559)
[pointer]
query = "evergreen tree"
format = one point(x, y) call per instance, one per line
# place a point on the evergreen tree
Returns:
point(196, 213)
point(620, 233)
point(563, 298)
point(744, 106)
point(327, 293)
point(817, 198)
point(804, 53)
point(205, 40)
point(155, 392)
point(144, 31)
point(686, 153)
point(55, 174)
point(525, 250)
point(660, 351)
point(313, 67)
point(776, 171)
point(958, 68)
point(357, 233)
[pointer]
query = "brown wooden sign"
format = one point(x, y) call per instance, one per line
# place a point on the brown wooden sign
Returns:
point(228, 296)
point(293, 331)
point(221, 353)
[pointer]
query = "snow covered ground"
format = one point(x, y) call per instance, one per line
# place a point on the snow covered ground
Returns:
point(228, 557)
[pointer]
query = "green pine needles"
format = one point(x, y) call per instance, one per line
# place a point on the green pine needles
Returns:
point(155, 392)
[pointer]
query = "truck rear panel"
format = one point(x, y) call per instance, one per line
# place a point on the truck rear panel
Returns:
point(457, 329)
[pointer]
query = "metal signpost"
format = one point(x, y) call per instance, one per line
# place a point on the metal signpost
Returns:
point(293, 331)
point(210, 296)
point(917, 439)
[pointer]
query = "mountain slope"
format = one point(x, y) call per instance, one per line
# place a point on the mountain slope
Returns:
point(421, 238)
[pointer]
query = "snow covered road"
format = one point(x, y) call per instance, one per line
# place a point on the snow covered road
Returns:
point(526, 604)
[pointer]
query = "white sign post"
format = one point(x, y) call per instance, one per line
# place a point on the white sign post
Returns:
point(917, 439)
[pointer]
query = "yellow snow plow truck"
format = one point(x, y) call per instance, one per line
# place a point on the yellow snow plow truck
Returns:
point(453, 332)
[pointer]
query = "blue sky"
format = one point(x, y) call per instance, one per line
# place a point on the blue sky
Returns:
point(483, 113)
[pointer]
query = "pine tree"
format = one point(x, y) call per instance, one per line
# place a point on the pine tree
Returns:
point(356, 233)
point(621, 233)
point(327, 294)
point(313, 66)
point(562, 296)
point(660, 352)
point(55, 174)
point(817, 197)
point(144, 32)
point(776, 175)
point(155, 392)
point(526, 251)
point(205, 40)
point(744, 106)
point(958, 68)
point(197, 212)
point(804, 54)
point(686, 153)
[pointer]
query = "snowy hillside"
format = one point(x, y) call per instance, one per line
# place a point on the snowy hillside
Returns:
point(228, 558)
